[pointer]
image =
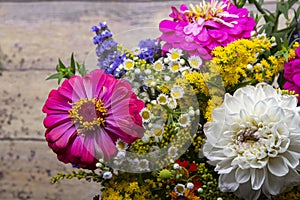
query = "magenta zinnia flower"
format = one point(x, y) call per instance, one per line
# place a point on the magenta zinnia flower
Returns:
point(87, 115)
point(201, 28)
point(292, 74)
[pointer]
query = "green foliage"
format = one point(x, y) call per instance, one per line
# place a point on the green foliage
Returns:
point(88, 176)
point(67, 72)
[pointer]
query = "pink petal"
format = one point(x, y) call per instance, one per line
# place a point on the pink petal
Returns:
point(56, 133)
point(54, 120)
point(104, 145)
point(167, 26)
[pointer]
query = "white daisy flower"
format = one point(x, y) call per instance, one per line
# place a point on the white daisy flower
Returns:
point(172, 103)
point(173, 151)
point(158, 66)
point(174, 66)
point(184, 120)
point(121, 145)
point(143, 165)
point(174, 54)
point(162, 99)
point(195, 62)
point(179, 189)
point(128, 64)
point(157, 132)
point(254, 142)
point(177, 92)
point(146, 115)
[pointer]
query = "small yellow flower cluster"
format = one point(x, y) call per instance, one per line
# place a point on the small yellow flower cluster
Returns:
point(126, 190)
point(240, 62)
point(196, 79)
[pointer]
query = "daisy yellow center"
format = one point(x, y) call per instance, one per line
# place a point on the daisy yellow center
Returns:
point(158, 132)
point(158, 66)
point(145, 114)
point(88, 114)
point(162, 99)
point(175, 67)
point(183, 120)
point(175, 55)
point(129, 65)
point(194, 63)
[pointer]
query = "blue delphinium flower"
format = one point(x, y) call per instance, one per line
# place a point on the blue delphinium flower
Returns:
point(150, 48)
point(109, 58)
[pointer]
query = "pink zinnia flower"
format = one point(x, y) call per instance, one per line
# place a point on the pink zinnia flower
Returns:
point(87, 115)
point(292, 74)
point(201, 28)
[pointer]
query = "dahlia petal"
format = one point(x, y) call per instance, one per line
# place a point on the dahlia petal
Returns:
point(257, 178)
point(272, 184)
point(245, 191)
point(242, 175)
point(227, 182)
point(231, 104)
point(57, 132)
point(224, 166)
point(259, 108)
point(292, 158)
point(278, 166)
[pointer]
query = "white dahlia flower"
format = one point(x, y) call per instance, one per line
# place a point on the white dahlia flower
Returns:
point(254, 142)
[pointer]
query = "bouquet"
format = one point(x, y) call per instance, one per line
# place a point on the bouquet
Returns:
point(209, 110)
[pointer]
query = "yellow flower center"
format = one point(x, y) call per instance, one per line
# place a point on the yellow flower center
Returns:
point(88, 114)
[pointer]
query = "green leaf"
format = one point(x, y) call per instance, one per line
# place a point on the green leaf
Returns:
point(72, 66)
point(291, 3)
point(283, 8)
point(81, 69)
point(60, 65)
point(54, 76)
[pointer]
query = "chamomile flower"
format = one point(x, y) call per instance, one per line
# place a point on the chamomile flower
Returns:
point(128, 64)
point(146, 137)
point(146, 115)
point(195, 62)
point(173, 151)
point(184, 120)
point(121, 145)
point(162, 99)
point(174, 66)
point(158, 66)
point(172, 103)
point(157, 132)
point(174, 54)
point(177, 92)
point(179, 189)
point(136, 51)
point(143, 165)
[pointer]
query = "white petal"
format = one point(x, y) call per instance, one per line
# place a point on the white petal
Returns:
point(227, 182)
point(278, 166)
point(260, 108)
point(275, 114)
point(231, 104)
point(224, 167)
point(257, 178)
point(292, 158)
point(242, 175)
point(245, 192)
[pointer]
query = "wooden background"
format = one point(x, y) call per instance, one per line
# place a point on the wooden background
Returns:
point(32, 36)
